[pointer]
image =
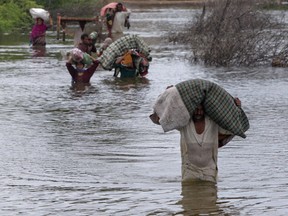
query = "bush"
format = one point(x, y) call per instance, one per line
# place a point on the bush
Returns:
point(15, 15)
point(234, 32)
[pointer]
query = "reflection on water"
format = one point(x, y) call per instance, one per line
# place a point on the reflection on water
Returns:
point(39, 51)
point(199, 198)
point(15, 38)
point(79, 89)
point(128, 83)
point(92, 149)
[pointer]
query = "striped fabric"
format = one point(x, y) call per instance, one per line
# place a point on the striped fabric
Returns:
point(219, 105)
point(119, 47)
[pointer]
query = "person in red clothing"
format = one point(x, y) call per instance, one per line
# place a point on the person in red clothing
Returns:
point(37, 36)
point(80, 74)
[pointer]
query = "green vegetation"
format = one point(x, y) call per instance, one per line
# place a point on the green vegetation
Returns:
point(60, 3)
point(14, 15)
point(275, 7)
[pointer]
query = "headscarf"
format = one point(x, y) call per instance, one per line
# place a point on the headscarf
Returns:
point(93, 35)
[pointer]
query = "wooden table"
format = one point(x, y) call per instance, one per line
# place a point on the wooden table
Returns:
point(62, 22)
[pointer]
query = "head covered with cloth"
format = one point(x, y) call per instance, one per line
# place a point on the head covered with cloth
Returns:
point(176, 105)
point(207, 117)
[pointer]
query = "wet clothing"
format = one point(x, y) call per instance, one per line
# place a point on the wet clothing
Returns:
point(125, 72)
point(199, 152)
point(37, 36)
point(132, 64)
point(84, 75)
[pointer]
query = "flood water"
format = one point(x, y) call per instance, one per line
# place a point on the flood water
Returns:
point(94, 151)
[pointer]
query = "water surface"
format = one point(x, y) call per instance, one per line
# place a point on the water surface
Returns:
point(93, 150)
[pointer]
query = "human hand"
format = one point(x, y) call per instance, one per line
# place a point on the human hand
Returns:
point(92, 58)
point(155, 118)
point(69, 60)
point(237, 102)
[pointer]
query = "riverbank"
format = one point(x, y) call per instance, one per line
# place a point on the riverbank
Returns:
point(95, 151)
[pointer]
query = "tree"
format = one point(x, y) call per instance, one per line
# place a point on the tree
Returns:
point(15, 14)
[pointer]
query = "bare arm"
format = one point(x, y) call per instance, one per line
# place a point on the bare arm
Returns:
point(237, 102)
point(69, 60)
point(70, 68)
point(223, 139)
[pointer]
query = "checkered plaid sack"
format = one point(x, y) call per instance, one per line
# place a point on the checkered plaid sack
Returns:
point(119, 47)
point(219, 105)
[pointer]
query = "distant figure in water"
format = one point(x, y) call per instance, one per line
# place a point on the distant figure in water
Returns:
point(112, 22)
point(86, 44)
point(38, 33)
point(79, 73)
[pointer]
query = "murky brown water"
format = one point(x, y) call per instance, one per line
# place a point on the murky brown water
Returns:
point(95, 151)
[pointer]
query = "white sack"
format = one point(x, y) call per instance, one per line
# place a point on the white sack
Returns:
point(39, 13)
point(119, 21)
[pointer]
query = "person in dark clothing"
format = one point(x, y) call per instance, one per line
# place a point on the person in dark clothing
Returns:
point(86, 44)
point(80, 74)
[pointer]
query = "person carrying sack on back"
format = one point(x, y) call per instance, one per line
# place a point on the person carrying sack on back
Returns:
point(200, 136)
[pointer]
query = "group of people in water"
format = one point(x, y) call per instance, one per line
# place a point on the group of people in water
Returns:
point(81, 69)
point(38, 32)
point(87, 45)
point(201, 136)
point(85, 56)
